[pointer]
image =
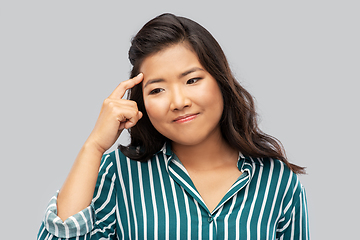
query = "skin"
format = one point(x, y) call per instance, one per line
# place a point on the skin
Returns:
point(184, 103)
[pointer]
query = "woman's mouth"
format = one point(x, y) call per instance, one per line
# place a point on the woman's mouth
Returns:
point(185, 118)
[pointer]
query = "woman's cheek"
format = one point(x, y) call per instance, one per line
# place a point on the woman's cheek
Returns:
point(156, 107)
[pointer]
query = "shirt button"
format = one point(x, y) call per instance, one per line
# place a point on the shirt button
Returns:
point(210, 219)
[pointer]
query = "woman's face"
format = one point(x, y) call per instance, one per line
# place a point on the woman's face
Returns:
point(183, 101)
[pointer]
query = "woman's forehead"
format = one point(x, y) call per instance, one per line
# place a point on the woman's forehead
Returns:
point(176, 60)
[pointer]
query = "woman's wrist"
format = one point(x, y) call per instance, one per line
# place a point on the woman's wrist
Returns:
point(92, 147)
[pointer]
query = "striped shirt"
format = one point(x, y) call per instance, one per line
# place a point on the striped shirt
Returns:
point(156, 199)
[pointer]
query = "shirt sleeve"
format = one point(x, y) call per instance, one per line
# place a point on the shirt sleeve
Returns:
point(295, 224)
point(97, 220)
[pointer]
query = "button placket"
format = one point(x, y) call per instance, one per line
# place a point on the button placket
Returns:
point(210, 219)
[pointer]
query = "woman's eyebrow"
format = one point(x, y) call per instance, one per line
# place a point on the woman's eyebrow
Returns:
point(194, 69)
point(153, 81)
point(191, 70)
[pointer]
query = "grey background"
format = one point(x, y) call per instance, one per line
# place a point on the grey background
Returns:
point(60, 59)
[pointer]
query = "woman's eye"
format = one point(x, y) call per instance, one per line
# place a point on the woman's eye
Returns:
point(192, 81)
point(155, 91)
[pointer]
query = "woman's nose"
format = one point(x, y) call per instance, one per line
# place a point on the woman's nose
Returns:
point(179, 100)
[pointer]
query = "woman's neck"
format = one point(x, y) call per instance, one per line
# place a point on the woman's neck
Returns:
point(208, 154)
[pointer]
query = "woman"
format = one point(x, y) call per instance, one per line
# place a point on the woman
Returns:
point(197, 166)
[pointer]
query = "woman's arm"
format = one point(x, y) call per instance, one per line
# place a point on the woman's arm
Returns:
point(77, 191)
point(97, 220)
point(116, 114)
point(295, 223)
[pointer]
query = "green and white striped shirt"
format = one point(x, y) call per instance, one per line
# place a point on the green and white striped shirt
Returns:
point(156, 199)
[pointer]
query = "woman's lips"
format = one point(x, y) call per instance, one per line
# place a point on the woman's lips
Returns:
point(185, 118)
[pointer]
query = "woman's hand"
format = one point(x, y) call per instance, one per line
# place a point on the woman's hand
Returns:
point(116, 114)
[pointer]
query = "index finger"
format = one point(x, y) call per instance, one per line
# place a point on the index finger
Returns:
point(120, 90)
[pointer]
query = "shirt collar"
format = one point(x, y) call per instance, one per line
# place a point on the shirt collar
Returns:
point(166, 152)
point(166, 149)
point(249, 164)
point(244, 163)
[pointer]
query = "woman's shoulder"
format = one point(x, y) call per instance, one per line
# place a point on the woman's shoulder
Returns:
point(118, 155)
point(114, 154)
point(274, 165)
point(111, 159)
point(268, 164)
point(119, 161)
point(276, 171)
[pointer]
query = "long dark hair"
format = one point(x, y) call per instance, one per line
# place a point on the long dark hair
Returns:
point(238, 123)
